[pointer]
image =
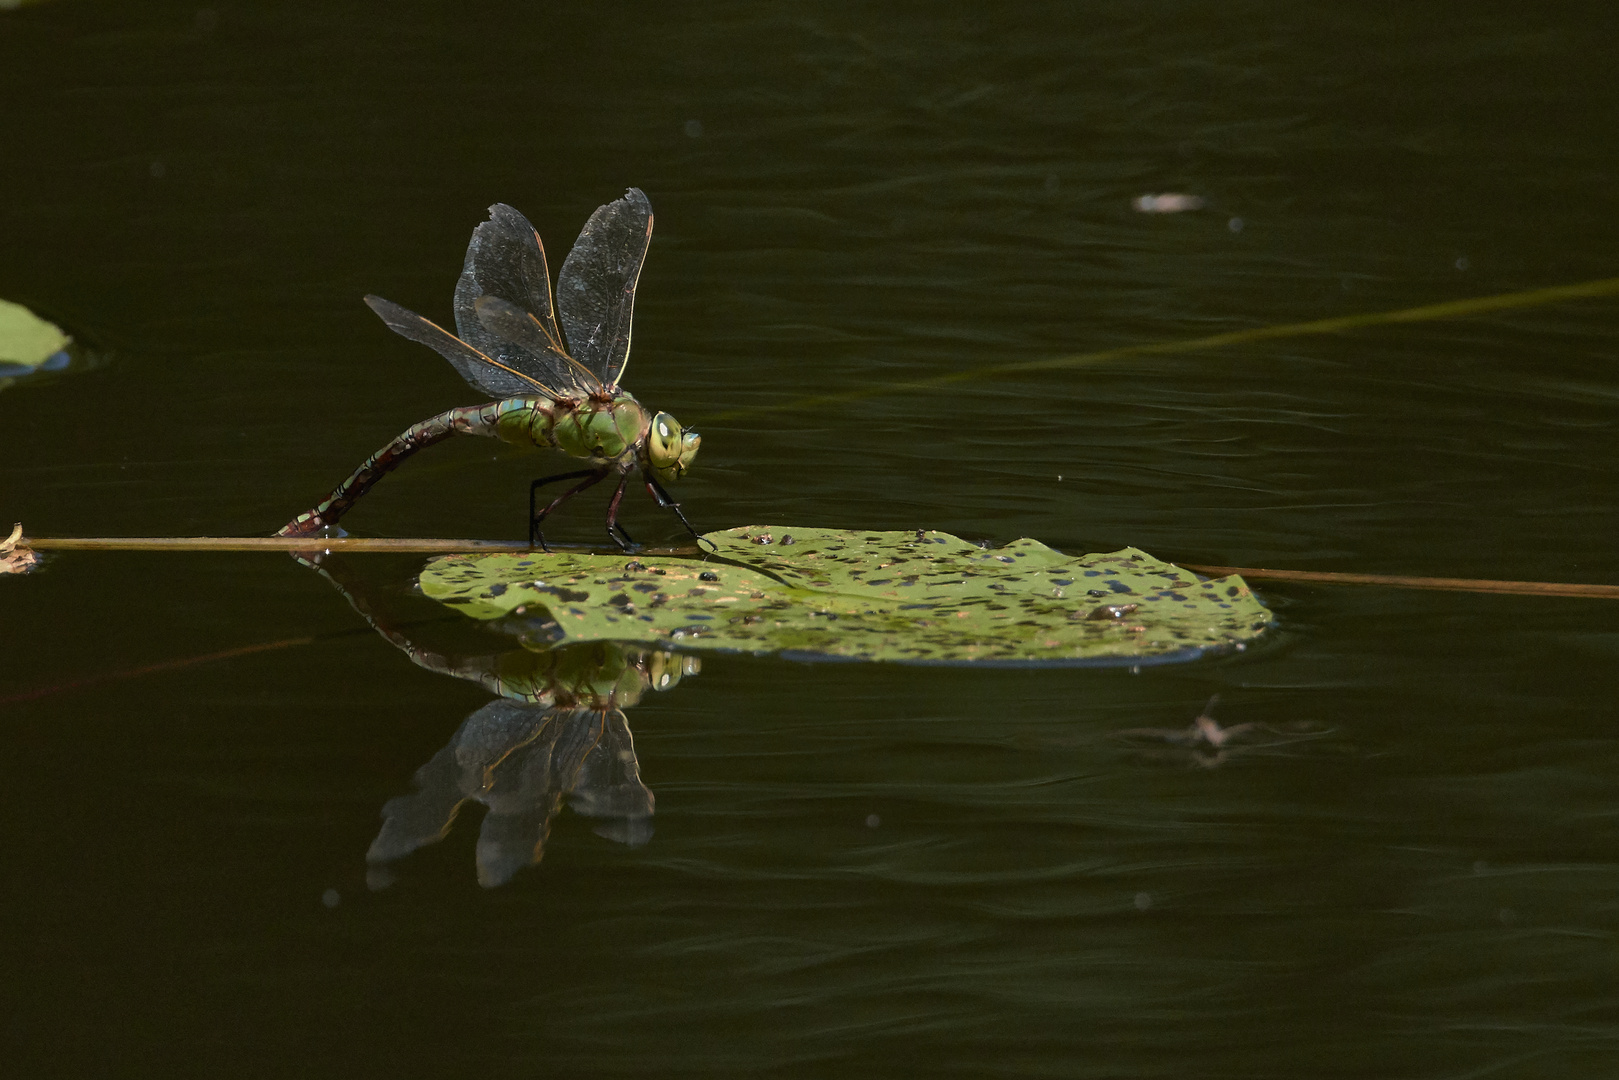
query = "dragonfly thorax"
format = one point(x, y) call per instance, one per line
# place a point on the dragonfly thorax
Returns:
point(619, 430)
point(601, 431)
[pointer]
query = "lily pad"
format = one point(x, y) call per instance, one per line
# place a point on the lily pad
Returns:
point(28, 342)
point(919, 597)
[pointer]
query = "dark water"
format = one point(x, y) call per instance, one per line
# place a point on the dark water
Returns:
point(852, 870)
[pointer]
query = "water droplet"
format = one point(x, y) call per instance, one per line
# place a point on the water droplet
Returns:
point(1143, 901)
point(694, 129)
point(1235, 224)
point(872, 821)
point(331, 898)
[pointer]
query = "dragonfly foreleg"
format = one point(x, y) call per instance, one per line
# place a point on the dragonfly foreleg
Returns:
point(593, 477)
point(661, 497)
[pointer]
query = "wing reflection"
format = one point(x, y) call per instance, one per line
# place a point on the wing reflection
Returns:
point(519, 761)
point(556, 734)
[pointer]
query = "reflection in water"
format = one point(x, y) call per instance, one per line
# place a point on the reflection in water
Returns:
point(520, 760)
point(557, 731)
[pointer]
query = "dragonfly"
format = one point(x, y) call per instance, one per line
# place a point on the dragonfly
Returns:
point(552, 391)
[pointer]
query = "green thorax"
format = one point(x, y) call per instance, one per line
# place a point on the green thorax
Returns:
point(600, 431)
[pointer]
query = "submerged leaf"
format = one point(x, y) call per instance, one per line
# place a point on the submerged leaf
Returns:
point(922, 597)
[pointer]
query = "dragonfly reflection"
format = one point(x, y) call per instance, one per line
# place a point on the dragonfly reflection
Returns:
point(556, 733)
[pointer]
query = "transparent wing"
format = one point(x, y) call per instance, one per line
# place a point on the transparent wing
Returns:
point(487, 374)
point(596, 289)
point(511, 324)
point(506, 260)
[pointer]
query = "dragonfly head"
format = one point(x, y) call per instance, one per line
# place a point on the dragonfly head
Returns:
point(670, 448)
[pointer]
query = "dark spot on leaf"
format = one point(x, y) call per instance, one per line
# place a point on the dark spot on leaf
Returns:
point(497, 589)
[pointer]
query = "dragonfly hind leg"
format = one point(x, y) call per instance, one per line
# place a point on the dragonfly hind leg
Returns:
point(537, 516)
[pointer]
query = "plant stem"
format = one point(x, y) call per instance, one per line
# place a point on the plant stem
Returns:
point(1400, 581)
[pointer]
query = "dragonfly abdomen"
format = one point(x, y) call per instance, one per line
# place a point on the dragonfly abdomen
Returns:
point(468, 420)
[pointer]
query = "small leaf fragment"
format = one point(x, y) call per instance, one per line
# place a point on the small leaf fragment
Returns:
point(27, 341)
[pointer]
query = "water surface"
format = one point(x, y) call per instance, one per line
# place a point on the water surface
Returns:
point(852, 870)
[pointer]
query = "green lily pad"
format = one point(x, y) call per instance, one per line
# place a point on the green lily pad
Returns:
point(26, 340)
point(921, 597)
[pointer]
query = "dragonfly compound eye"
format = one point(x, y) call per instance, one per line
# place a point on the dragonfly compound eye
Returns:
point(664, 441)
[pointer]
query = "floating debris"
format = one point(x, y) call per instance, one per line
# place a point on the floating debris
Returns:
point(16, 557)
point(1170, 202)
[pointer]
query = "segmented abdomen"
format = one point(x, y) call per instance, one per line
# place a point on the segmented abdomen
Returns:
point(523, 421)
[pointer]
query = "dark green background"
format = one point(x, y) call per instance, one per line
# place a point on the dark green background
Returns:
point(873, 193)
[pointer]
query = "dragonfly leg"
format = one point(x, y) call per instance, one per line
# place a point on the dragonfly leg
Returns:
point(661, 497)
point(534, 515)
point(614, 529)
point(592, 478)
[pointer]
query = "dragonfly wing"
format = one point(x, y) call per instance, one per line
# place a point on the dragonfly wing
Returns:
point(487, 374)
point(596, 289)
point(505, 259)
point(512, 325)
